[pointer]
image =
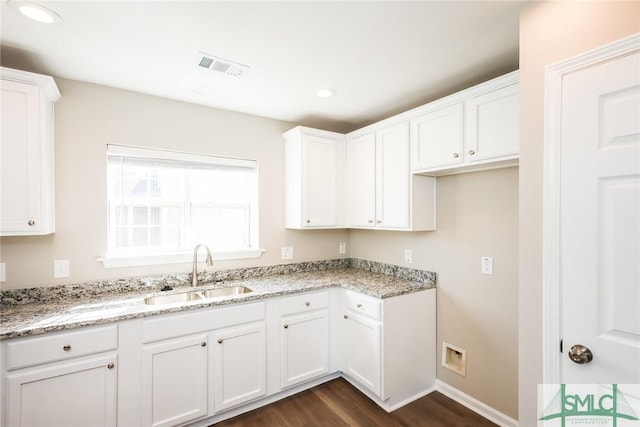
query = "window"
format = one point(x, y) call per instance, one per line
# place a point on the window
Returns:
point(164, 202)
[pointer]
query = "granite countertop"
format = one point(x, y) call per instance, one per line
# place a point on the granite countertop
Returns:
point(35, 311)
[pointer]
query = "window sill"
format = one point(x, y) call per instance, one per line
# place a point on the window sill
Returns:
point(119, 261)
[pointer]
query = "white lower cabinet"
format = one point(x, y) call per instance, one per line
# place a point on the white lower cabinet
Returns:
point(390, 345)
point(363, 351)
point(239, 365)
point(304, 338)
point(62, 379)
point(174, 385)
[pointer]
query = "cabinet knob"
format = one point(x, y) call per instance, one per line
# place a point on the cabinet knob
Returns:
point(31, 222)
point(471, 152)
point(346, 317)
point(286, 326)
point(308, 221)
point(307, 303)
point(378, 221)
point(110, 365)
point(220, 340)
point(359, 306)
point(66, 347)
point(370, 221)
point(456, 155)
point(203, 344)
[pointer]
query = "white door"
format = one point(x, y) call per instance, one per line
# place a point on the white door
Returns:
point(437, 138)
point(364, 351)
point(598, 130)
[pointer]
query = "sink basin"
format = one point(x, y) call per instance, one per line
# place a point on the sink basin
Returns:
point(225, 292)
point(196, 295)
point(174, 298)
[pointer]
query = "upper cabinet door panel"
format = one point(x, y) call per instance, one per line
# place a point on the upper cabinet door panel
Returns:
point(362, 180)
point(493, 124)
point(320, 156)
point(437, 138)
point(393, 177)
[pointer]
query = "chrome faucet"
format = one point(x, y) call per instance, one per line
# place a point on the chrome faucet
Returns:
point(194, 273)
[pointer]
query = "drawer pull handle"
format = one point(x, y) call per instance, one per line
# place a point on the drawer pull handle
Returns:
point(359, 305)
point(370, 221)
point(203, 344)
point(346, 317)
point(286, 326)
point(471, 152)
point(31, 222)
point(66, 347)
point(307, 303)
point(111, 365)
point(456, 155)
point(220, 340)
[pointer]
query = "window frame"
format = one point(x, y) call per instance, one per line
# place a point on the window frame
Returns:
point(140, 258)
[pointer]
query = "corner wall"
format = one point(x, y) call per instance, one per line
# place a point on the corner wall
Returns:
point(549, 33)
point(477, 215)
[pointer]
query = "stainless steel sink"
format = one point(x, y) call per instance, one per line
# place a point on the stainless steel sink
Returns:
point(190, 296)
point(174, 298)
point(225, 292)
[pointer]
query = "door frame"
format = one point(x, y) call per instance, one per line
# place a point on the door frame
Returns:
point(551, 265)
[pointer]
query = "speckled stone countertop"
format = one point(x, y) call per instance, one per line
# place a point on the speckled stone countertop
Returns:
point(35, 311)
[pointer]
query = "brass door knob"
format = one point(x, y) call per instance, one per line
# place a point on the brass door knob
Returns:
point(580, 354)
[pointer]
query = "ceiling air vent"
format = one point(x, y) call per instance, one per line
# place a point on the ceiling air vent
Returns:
point(214, 63)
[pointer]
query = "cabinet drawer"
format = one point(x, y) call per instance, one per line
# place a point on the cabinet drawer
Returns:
point(304, 302)
point(35, 351)
point(363, 304)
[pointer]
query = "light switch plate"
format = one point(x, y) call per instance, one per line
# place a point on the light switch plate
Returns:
point(486, 265)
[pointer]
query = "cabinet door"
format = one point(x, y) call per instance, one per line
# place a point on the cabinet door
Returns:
point(363, 351)
point(493, 123)
point(437, 138)
point(393, 187)
point(239, 365)
point(362, 180)
point(304, 347)
point(174, 381)
point(320, 191)
point(77, 394)
point(21, 160)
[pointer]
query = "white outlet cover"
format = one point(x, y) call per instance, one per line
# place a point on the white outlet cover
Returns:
point(408, 256)
point(60, 268)
point(3, 272)
point(342, 248)
point(287, 252)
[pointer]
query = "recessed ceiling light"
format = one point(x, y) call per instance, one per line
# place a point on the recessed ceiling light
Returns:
point(326, 93)
point(36, 12)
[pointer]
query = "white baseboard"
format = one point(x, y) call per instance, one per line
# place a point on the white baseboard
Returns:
point(475, 405)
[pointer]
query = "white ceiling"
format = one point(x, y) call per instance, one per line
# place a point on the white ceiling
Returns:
point(381, 57)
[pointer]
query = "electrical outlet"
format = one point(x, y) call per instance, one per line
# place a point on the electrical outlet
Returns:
point(408, 256)
point(486, 265)
point(60, 268)
point(3, 272)
point(287, 252)
point(342, 248)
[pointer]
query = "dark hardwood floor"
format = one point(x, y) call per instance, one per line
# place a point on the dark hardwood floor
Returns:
point(338, 404)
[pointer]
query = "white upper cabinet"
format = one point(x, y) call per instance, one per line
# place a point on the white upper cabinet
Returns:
point(382, 193)
point(315, 175)
point(27, 154)
point(475, 129)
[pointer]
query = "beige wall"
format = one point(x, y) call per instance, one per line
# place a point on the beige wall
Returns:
point(549, 32)
point(477, 215)
point(90, 116)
